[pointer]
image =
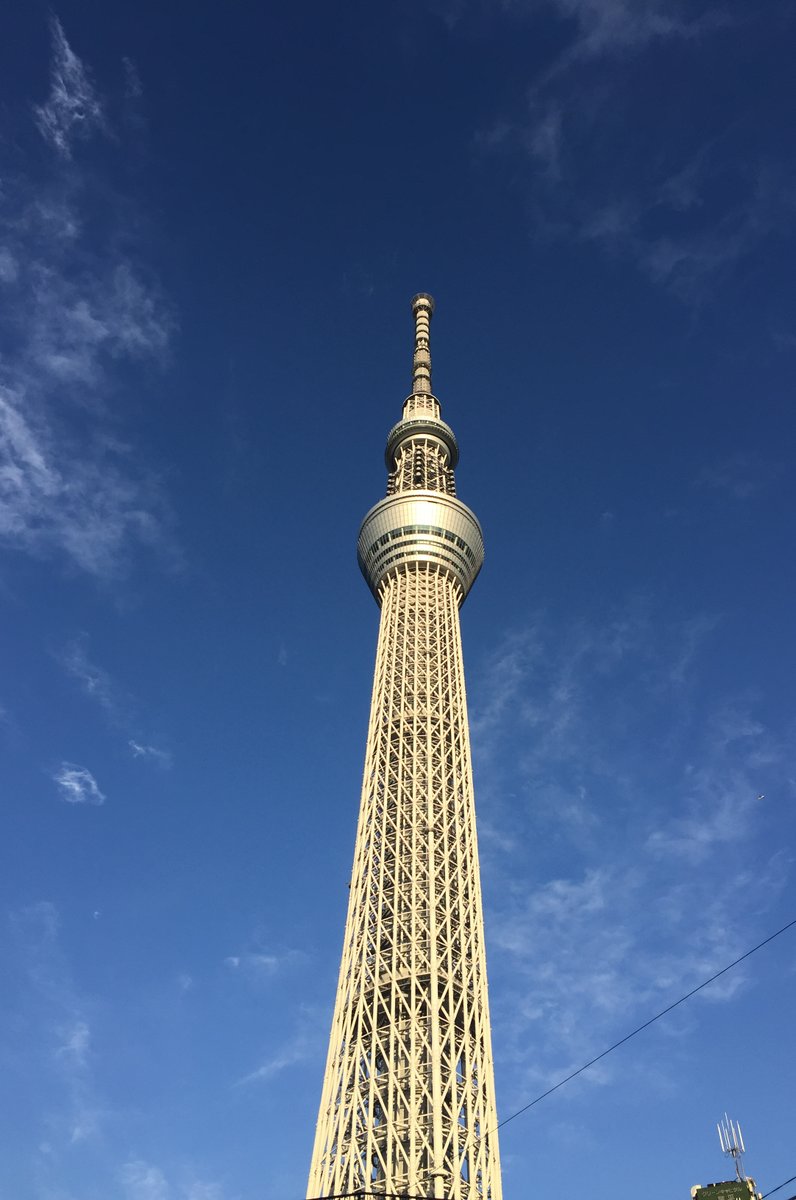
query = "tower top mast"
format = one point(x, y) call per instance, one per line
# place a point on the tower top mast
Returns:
point(422, 307)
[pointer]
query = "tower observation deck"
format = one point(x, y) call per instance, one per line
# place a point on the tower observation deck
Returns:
point(408, 1098)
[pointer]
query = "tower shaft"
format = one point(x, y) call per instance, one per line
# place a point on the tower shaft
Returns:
point(408, 1099)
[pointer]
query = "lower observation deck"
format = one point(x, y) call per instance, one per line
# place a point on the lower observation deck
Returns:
point(420, 527)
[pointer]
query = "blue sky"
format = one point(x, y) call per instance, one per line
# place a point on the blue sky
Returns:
point(212, 222)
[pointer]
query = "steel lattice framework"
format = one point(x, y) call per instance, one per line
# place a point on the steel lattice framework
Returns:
point(408, 1103)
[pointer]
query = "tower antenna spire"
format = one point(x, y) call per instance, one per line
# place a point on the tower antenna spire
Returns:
point(422, 308)
point(408, 1098)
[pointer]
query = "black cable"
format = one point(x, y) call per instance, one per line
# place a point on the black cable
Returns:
point(779, 1187)
point(362, 1192)
point(647, 1024)
point(407, 1196)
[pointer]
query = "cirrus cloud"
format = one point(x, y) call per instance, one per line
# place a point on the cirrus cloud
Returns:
point(81, 308)
point(73, 109)
point(77, 785)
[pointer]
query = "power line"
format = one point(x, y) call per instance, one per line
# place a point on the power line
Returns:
point(408, 1196)
point(647, 1024)
point(362, 1192)
point(779, 1187)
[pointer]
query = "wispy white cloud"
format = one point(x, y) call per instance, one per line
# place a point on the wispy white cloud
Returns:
point(203, 1191)
point(609, 27)
point(161, 758)
point(305, 1042)
point(9, 267)
point(784, 340)
point(757, 206)
point(297, 1049)
point(76, 1043)
point(133, 87)
point(259, 966)
point(686, 213)
point(60, 1016)
point(73, 110)
point(77, 785)
point(93, 680)
point(641, 219)
point(78, 308)
point(580, 959)
point(545, 141)
point(260, 961)
point(616, 798)
point(266, 964)
point(601, 28)
point(693, 634)
point(722, 792)
point(117, 706)
point(506, 677)
point(738, 475)
point(142, 1181)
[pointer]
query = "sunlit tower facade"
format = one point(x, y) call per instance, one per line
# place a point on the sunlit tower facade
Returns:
point(408, 1099)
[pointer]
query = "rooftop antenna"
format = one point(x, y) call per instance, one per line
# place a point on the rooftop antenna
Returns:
point(731, 1140)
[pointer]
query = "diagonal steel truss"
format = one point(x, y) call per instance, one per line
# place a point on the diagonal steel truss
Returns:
point(408, 1100)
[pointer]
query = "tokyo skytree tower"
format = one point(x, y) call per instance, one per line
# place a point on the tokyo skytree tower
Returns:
point(408, 1100)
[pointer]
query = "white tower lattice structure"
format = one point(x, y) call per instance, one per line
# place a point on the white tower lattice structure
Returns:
point(408, 1100)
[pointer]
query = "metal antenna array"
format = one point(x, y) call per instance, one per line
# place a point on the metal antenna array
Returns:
point(731, 1140)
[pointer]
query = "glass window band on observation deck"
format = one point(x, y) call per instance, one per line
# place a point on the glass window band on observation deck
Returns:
point(408, 529)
